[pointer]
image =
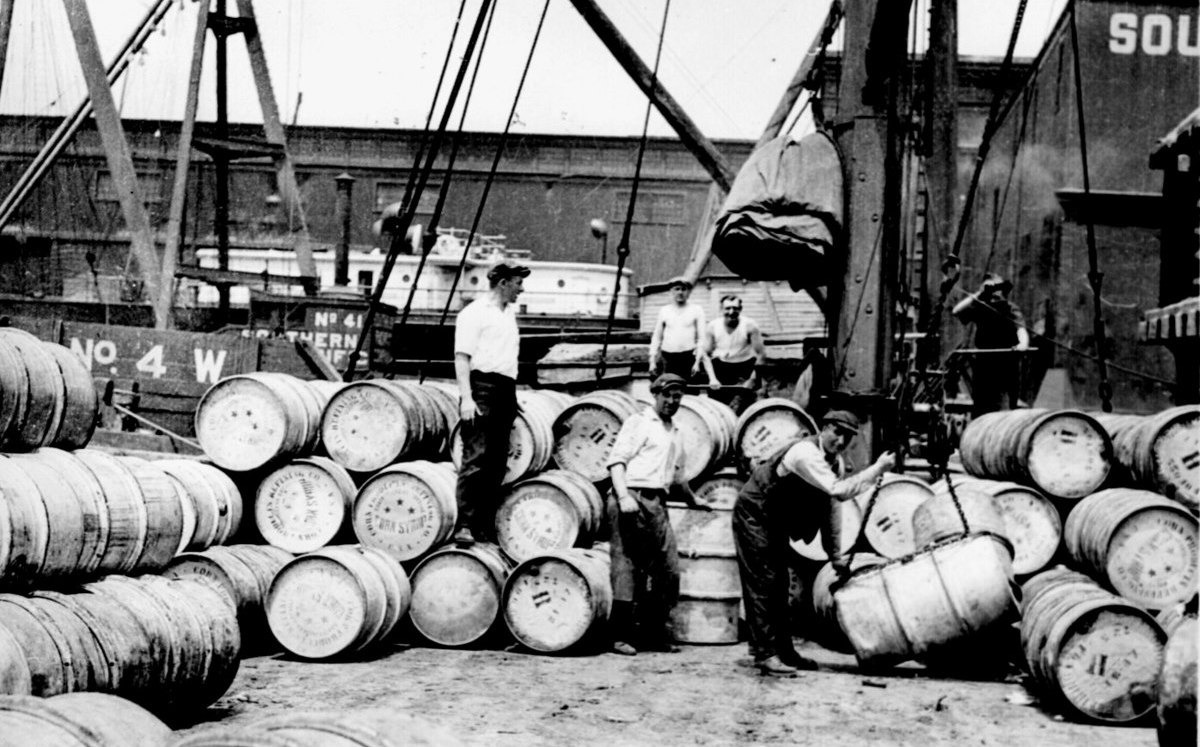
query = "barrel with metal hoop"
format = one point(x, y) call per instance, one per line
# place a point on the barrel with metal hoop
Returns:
point(82, 719)
point(824, 628)
point(1090, 651)
point(304, 504)
point(585, 430)
point(456, 593)
point(370, 424)
point(1159, 452)
point(215, 500)
point(406, 509)
point(707, 427)
point(45, 392)
point(1142, 545)
point(554, 510)
point(767, 426)
point(709, 583)
point(1031, 520)
point(889, 531)
point(1064, 453)
point(942, 515)
point(247, 421)
point(555, 600)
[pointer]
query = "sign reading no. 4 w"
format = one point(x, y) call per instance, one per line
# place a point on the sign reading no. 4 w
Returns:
point(148, 354)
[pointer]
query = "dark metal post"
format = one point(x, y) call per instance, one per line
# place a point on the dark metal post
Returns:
point(220, 160)
point(341, 259)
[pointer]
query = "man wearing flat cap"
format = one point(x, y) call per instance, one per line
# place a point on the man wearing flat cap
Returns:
point(794, 493)
point(999, 325)
point(646, 465)
point(486, 341)
point(677, 343)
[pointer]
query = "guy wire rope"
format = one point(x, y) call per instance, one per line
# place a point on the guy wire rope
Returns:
point(410, 209)
point(447, 177)
point(491, 177)
point(623, 245)
point(1095, 277)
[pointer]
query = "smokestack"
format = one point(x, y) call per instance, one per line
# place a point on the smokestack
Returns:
point(341, 257)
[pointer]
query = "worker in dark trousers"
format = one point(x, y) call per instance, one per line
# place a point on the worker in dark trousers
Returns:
point(999, 325)
point(486, 341)
point(792, 495)
point(645, 465)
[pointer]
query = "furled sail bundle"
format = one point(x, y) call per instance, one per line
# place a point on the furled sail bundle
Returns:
point(784, 214)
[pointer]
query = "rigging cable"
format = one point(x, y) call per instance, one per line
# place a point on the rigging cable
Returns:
point(1095, 277)
point(623, 245)
point(444, 190)
point(406, 219)
point(491, 177)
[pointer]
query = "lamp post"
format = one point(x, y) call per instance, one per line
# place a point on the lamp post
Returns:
point(600, 230)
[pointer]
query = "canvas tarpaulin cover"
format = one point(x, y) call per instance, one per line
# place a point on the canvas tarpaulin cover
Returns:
point(784, 213)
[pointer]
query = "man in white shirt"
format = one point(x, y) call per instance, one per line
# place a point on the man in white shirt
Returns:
point(733, 352)
point(486, 341)
point(646, 464)
point(793, 494)
point(677, 343)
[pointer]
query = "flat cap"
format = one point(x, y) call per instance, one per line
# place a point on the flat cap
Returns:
point(843, 419)
point(666, 381)
point(679, 280)
point(507, 269)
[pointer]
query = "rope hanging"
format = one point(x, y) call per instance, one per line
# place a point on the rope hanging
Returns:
point(1095, 277)
point(410, 209)
point(431, 233)
point(623, 245)
point(491, 177)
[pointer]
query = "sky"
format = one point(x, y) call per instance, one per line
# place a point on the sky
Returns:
point(375, 63)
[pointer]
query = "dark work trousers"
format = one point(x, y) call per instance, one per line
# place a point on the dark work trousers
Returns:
point(734, 373)
point(761, 534)
point(485, 452)
point(994, 384)
point(680, 364)
point(645, 566)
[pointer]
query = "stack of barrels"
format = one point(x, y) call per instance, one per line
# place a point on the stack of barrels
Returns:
point(72, 514)
point(1114, 497)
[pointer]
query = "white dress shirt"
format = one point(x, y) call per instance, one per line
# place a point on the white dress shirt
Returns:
point(489, 335)
point(651, 451)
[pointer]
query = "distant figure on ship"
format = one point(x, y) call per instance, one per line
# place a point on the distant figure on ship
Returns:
point(999, 325)
point(733, 353)
point(677, 344)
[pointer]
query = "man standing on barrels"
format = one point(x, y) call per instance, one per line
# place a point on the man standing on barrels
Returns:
point(999, 325)
point(733, 352)
point(646, 465)
point(793, 494)
point(677, 343)
point(486, 340)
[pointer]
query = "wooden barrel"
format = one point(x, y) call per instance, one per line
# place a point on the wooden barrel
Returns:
point(14, 392)
point(719, 490)
point(456, 593)
point(406, 509)
point(81, 719)
point(1090, 651)
point(698, 530)
point(767, 426)
point(850, 515)
point(247, 421)
point(164, 514)
point(1158, 452)
point(1168, 619)
point(585, 430)
point(64, 515)
point(304, 504)
point(80, 402)
point(15, 677)
point(1064, 453)
point(92, 501)
point(1142, 545)
point(25, 536)
point(358, 728)
point(707, 427)
point(911, 606)
point(335, 601)
point(824, 628)
point(41, 652)
point(1031, 521)
point(215, 498)
point(938, 518)
point(1176, 706)
point(368, 425)
point(556, 600)
point(889, 528)
point(554, 510)
point(45, 394)
point(709, 584)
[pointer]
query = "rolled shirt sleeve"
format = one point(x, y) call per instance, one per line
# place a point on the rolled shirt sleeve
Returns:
point(806, 460)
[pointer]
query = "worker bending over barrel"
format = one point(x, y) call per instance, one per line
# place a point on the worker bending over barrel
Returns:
point(646, 466)
point(793, 494)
